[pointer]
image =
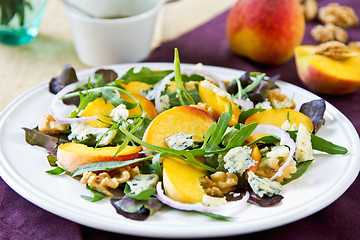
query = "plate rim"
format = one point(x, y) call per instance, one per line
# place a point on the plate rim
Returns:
point(26, 193)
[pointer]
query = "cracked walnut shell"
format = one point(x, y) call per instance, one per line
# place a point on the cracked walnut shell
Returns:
point(341, 16)
point(329, 32)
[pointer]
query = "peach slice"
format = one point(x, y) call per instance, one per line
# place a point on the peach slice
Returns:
point(135, 87)
point(74, 155)
point(218, 101)
point(327, 75)
point(182, 181)
point(148, 106)
point(98, 108)
point(183, 119)
point(277, 117)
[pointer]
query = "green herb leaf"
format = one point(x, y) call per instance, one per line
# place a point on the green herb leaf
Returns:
point(56, 171)
point(145, 75)
point(97, 195)
point(105, 166)
point(323, 145)
point(245, 114)
point(301, 169)
point(144, 195)
point(213, 215)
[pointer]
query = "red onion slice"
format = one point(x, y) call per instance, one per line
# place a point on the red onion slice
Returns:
point(285, 139)
point(245, 104)
point(207, 74)
point(230, 208)
point(57, 106)
point(165, 81)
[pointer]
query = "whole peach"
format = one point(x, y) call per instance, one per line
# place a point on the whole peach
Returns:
point(265, 31)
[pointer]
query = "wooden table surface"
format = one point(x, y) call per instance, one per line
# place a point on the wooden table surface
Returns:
point(23, 67)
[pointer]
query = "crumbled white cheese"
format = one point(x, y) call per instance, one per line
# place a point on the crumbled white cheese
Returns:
point(142, 182)
point(264, 105)
point(303, 151)
point(212, 87)
point(164, 103)
point(279, 152)
point(119, 113)
point(180, 141)
point(263, 186)
point(82, 131)
point(286, 126)
point(213, 201)
point(238, 159)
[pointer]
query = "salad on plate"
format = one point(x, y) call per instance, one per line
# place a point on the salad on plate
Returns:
point(183, 138)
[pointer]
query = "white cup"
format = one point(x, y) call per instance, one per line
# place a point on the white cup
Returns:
point(107, 40)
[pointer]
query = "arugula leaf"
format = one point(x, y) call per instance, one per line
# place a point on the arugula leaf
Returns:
point(245, 114)
point(144, 195)
point(239, 138)
point(181, 154)
point(156, 164)
point(180, 89)
point(56, 171)
point(301, 169)
point(97, 195)
point(323, 145)
point(107, 166)
point(218, 133)
point(145, 75)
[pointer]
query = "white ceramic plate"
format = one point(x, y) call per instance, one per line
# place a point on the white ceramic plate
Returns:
point(23, 168)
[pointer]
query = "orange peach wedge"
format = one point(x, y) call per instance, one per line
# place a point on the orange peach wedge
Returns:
point(74, 155)
point(100, 109)
point(328, 75)
point(183, 119)
point(277, 117)
point(218, 100)
point(182, 181)
point(148, 106)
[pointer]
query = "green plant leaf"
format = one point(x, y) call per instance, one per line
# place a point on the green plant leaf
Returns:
point(144, 195)
point(96, 197)
point(301, 169)
point(105, 166)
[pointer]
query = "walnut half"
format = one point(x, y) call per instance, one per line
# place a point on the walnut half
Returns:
point(103, 181)
point(335, 50)
point(341, 16)
point(329, 32)
point(219, 183)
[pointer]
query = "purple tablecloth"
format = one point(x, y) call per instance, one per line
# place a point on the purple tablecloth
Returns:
point(20, 219)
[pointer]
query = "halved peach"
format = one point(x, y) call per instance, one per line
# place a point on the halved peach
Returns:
point(74, 155)
point(148, 106)
point(182, 181)
point(98, 108)
point(277, 117)
point(183, 119)
point(327, 75)
point(219, 103)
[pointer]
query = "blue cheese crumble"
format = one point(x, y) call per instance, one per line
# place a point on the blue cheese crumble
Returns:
point(263, 186)
point(303, 151)
point(180, 141)
point(238, 159)
point(142, 182)
point(82, 131)
point(119, 113)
